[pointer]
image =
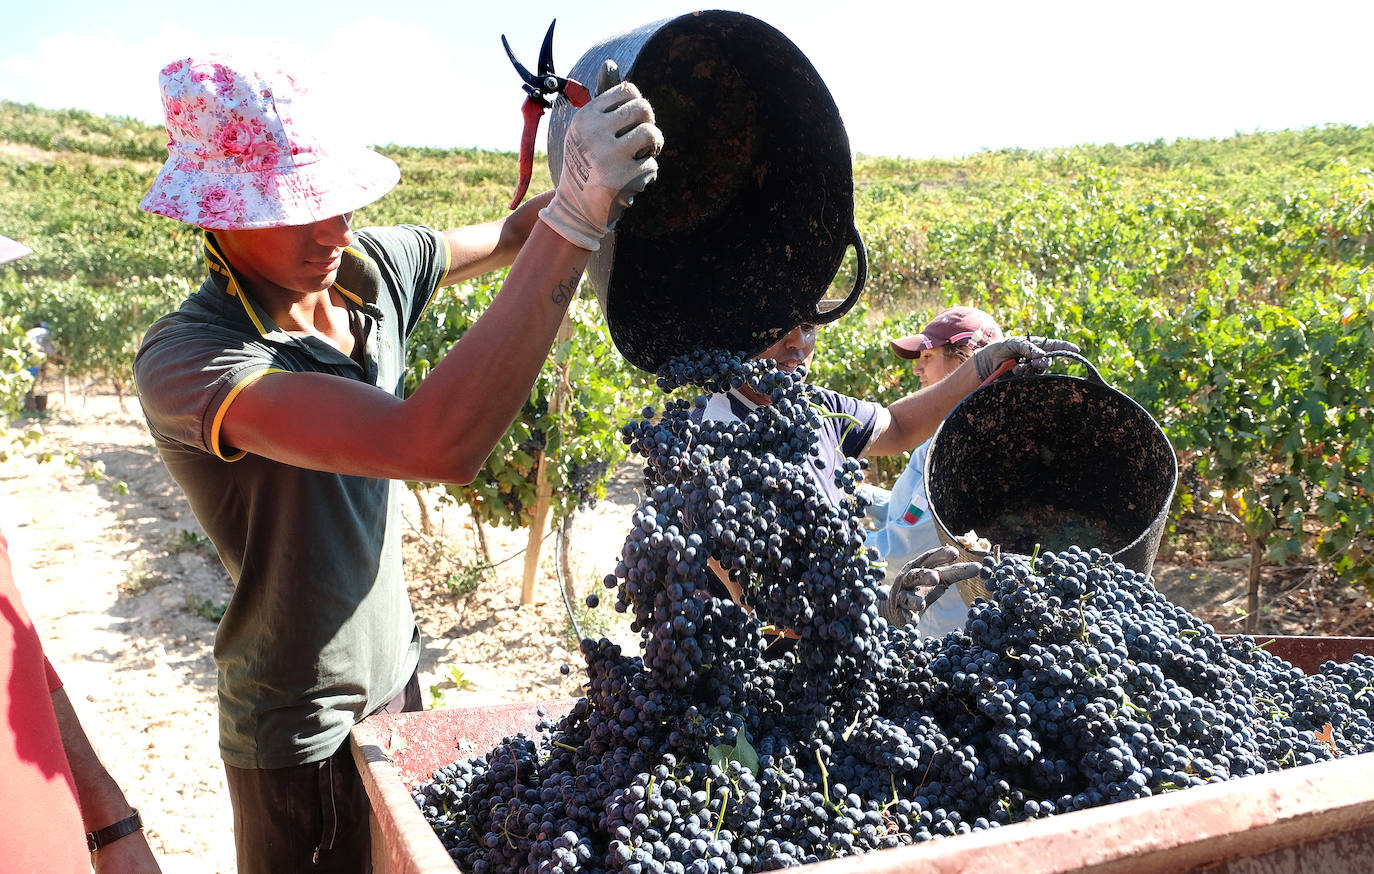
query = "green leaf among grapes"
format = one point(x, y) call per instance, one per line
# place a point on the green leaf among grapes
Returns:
point(742, 752)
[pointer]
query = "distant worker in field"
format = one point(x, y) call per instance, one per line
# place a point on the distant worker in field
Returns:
point(274, 395)
point(907, 530)
point(40, 337)
point(866, 428)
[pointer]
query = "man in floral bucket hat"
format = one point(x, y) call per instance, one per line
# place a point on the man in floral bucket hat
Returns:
point(275, 396)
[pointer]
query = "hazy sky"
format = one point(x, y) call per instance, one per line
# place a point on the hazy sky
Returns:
point(916, 78)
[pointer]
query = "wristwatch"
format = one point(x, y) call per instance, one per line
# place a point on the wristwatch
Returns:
point(111, 833)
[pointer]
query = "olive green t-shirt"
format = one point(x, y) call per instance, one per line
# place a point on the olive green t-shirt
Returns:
point(319, 631)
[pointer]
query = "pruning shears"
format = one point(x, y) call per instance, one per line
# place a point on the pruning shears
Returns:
point(1002, 368)
point(540, 89)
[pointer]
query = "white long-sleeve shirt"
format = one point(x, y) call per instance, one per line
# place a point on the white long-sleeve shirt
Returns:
point(907, 530)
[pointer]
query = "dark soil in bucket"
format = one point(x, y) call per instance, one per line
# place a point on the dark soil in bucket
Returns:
point(1023, 528)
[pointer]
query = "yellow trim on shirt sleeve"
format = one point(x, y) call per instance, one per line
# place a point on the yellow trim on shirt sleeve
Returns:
point(224, 408)
point(448, 262)
point(361, 255)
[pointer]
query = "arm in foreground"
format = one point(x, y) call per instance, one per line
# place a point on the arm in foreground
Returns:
point(102, 801)
point(447, 428)
point(481, 248)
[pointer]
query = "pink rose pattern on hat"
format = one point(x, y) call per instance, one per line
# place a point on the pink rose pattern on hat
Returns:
point(243, 153)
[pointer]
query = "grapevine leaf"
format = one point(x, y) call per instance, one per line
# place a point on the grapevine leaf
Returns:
point(741, 752)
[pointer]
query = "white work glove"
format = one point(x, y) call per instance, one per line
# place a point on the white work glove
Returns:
point(922, 581)
point(1029, 352)
point(608, 158)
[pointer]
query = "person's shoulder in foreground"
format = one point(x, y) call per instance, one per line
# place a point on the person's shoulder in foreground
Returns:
point(55, 786)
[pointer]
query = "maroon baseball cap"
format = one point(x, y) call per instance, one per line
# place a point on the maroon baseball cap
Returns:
point(954, 326)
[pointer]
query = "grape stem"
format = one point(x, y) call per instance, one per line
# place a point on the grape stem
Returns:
point(1127, 702)
point(825, 784)
point(1082, 618)
point(827, 414)
point(721, 818)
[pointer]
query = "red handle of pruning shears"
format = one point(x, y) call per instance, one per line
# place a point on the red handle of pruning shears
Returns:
point(576, 93)
point(1002, 368)
point(532, 112)
point(540, 88)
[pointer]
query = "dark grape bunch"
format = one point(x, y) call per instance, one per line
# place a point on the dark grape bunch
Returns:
point(582, 480)
point(715, 751)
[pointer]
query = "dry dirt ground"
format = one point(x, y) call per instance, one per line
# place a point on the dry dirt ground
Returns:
point(124, 590)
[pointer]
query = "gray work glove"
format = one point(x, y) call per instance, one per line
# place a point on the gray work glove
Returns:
point(1028, 351)
point(922, 581)
point(608, 158)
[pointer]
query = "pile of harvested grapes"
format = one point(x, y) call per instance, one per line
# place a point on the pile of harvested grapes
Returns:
point(1075, 683)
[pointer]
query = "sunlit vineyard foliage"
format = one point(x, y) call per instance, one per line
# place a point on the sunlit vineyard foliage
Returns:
point(1223, 284)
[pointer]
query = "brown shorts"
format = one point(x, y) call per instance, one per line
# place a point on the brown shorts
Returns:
point(311, 817)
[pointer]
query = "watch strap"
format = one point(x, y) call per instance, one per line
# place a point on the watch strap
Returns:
point(111, 833)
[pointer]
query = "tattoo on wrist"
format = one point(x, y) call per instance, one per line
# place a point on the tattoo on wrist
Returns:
point(565, 291)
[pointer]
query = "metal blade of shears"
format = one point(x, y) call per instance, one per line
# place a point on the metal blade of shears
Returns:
point(539, 89)
point(546, 52)
point(526, 76)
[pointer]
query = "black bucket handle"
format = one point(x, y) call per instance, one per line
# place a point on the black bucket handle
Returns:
point(861, 277)
point(1065, 353)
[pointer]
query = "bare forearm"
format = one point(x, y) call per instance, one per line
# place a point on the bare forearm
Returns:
point(479, 387)
point(102, 801)
point(447, 428)
point(479, 249)
point(916, 416)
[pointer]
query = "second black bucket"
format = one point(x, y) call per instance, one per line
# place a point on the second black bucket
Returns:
point(739, 238)
point(1051, 461)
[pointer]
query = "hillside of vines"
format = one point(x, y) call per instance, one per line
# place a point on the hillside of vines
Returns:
point(1225, 285)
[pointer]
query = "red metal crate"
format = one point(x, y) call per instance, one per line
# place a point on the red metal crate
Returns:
point(1316, 819)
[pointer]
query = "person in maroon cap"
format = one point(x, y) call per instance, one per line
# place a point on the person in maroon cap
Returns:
point(907, 531)
point(947, 341)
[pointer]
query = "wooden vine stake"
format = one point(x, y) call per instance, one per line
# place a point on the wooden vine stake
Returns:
point(1252, 592)
point(543, 489)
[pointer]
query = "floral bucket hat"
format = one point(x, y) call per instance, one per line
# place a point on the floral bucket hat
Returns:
point(247, 150)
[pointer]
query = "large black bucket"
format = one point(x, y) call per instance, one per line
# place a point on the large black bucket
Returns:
point(1050, 461)
point(739, 238)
